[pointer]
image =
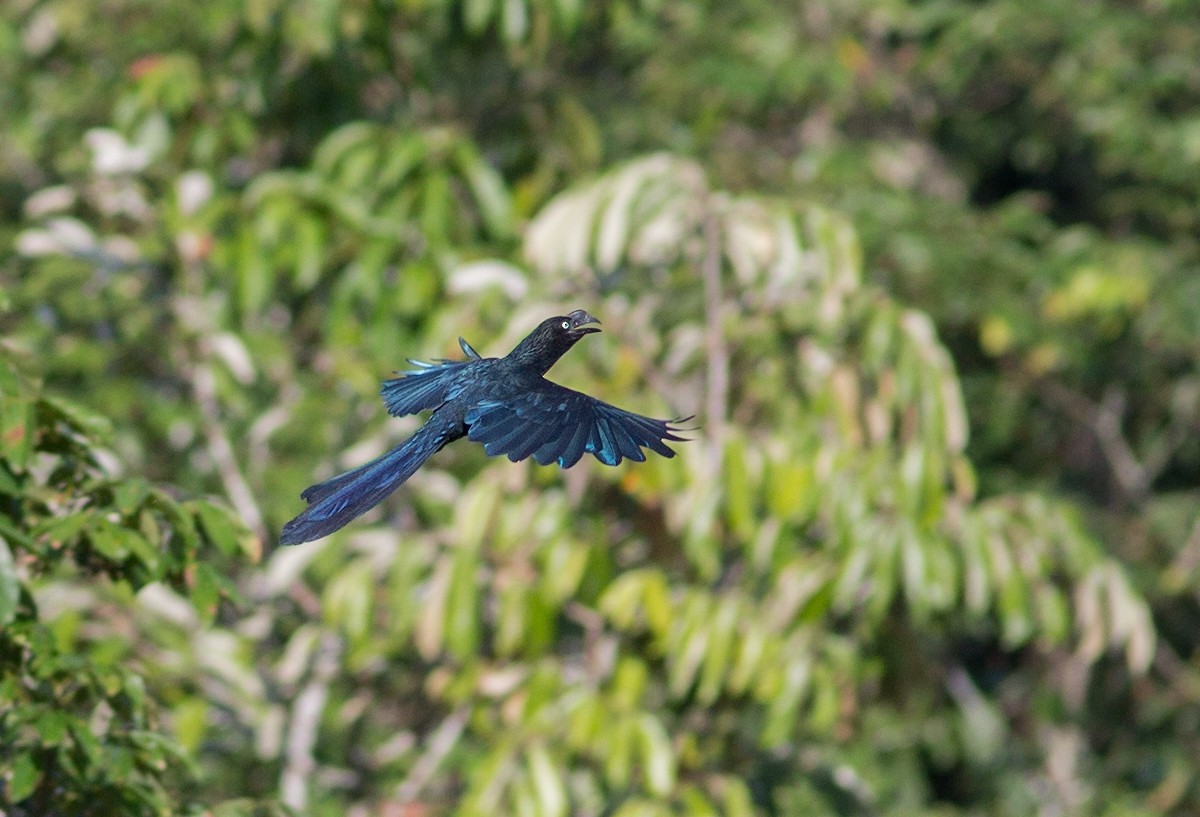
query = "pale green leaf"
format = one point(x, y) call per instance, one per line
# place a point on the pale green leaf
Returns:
point(547, 783)
point(10, 586)
point(658, 756)
point(478, 14)
point(515, 21)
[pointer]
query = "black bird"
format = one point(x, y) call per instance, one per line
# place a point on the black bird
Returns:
point(504, 403)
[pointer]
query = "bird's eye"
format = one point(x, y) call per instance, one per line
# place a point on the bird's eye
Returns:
point(566, 324)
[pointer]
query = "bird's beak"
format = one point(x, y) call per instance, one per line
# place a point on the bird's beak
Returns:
point(579, 319)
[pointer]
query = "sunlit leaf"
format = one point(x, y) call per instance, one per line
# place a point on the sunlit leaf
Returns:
point(10, 587)
point(23, 778)
point(658, 757)
point(547, 785)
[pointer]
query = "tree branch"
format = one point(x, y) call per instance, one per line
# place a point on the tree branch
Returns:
point(440, 742)
point(1104, 420)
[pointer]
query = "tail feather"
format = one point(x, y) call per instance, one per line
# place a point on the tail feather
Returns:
point(335, 502)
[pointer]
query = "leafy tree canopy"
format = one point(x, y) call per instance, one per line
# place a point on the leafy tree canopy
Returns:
point(925, 272)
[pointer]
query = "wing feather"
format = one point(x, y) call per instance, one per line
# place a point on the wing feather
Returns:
point(423, 388)
point(557, 424)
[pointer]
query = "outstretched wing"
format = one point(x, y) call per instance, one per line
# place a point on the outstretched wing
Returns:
point(556, 424)
point(425, 387)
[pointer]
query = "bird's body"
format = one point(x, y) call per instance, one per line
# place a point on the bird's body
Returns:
point(504, 403)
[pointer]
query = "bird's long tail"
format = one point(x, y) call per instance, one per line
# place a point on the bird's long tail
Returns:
point(335, 502)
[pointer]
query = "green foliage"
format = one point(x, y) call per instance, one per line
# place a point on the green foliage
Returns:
point(77, 728)
point(924, 273)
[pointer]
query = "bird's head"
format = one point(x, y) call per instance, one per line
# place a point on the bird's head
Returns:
point(553, 338)
point(576, 324)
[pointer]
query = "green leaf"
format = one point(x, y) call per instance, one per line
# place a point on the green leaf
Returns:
point(477, 14)
point(205, 592)
point(516, 21)
point(129, 494)
point(619, 746)
point(642, 807)
point(740, 490)
point(347, 140)
point(348, 600)
point(23, 779)
point(51, 727)
point(16, 419)
point(658, 757)
point(689, 642)
point(10, 586)
point(435, 215)
point(487, 188)
point(223, 529)
point(563, 568)
point(403, 155)
point(93, 424)
point(722, 637)
point(737, 799)
point(191, 722)
point(547, 783)
point(462, 605)
point(109, 540)
point(568, 12)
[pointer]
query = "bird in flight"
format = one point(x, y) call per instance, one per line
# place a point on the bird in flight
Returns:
point(504, 403)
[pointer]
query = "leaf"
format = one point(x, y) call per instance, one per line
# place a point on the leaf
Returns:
point(348, 139)
point(65, 529)
point(740, 490)
point(568, 12)
point(10, 586)
point(487, 188)
point(109, 540)
point(658, 758)
point(462, 604)
point(191, 722)
point(789, 489)
point(435, 214)
point(223, 529)
point(16, 420)
point(129, 494)
point(477, 14)
point(784, 706)
point(516, 21)
point(547, 783)
point(689, 644)
point(404, 153)
point(751, 654)
point(23, 779)
point(619, 745)
point(563, 568)
point(205, 592)
point(93, 424)
point(348, 600)
point(737, 799)
point(722, 636)
point(51, 727)
point(430, 635)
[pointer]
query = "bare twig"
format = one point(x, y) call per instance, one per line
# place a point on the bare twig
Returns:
point(236, 487)
point(303, 729)
point(440, 742)
point(1104, 419)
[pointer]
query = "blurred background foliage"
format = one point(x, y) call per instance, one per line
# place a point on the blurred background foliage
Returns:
point(926, 272)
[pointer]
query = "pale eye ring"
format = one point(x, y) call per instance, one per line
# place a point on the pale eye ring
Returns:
point(566, 324)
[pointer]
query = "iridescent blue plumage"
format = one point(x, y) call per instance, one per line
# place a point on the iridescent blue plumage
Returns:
point(504, 403)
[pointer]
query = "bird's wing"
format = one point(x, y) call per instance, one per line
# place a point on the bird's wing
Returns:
point(425, 387)
point(555, 424)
